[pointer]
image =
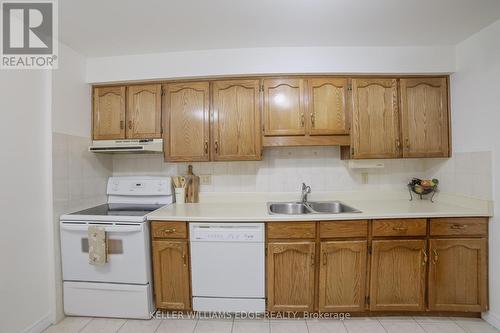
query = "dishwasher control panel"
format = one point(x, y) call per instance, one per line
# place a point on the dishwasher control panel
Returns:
point(227, 232)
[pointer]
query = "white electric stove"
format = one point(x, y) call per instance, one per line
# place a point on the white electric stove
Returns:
point(122, 287)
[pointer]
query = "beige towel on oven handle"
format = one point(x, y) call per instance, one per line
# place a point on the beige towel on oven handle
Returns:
point(98, 249)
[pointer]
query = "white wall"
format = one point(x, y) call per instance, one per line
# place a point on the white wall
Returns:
point(475, 91)
point(271, 61)
point(25, 201)
point(71, 95)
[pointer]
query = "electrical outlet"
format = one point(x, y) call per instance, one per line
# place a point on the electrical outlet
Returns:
point(205, 180)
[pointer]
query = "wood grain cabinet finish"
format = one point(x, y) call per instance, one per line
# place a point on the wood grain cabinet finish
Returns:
point(290, 276)
point(291, 230)
point(171, 274)
point(342, 276)
point(284, 107)
point(109, 113)
point(375, 120)
point(327, 103)
point(144, 111)
point(187, 121)
point(461, 226)
point(397, 280)
point(458, 275)
point(399, 227)
point(166, 229)
point(424, 117)
point(343, 229)
point(236, 131)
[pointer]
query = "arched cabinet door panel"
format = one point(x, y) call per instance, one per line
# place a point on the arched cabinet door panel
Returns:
point(109, 113)
point(144, 111)
point(290, 276)
point(424, 117)
point(375, 119)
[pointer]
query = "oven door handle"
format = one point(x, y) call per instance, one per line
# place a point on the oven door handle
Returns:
point(106, 228)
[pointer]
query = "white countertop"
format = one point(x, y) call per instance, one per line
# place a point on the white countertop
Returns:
point(252, 207)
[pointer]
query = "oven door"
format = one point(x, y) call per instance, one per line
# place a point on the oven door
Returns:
point(128, 253)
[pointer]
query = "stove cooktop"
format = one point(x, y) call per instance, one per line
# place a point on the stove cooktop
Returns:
point(118, 210)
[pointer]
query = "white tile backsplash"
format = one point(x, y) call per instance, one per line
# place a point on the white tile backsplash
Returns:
point(283, 169)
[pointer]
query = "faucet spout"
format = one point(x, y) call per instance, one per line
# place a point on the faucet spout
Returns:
point(305, 191)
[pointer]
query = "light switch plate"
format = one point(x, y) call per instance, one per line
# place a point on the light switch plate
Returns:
point(205, 179)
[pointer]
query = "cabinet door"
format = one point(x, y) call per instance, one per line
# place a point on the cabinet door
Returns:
point(109, 113)
point(284, 107)
point(187, 124)
point(458, 275)
point(327, 106)
point(236, 122)
point(398, 275)
point(171, 275)
point(424, 112)
point(290, 276)
point(144, 112)
point(375, 123)
point(342, 276)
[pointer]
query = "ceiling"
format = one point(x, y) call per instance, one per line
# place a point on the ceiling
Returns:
point(123, 27)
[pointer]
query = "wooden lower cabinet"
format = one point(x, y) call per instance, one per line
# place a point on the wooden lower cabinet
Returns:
point(398, 270)
point(290, 276)
point(171, 274)
point(342, 276)
point(458, 275)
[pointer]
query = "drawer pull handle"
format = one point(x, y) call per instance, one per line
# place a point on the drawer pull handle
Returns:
point(324, 258)
point(400, 228)
point(458, 226)
point(130, 124)
point(122, 124)
point(169, 231)
point(184, 257)
point(206, 147)
point(302, 120)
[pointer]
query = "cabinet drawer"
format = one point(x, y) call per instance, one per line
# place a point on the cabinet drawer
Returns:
point(334, 229)
point(400, 227)
point(459, 226)
point(291, 230)
point(168, 230)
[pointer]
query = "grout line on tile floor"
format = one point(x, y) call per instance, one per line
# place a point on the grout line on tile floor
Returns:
point(382, 325)
point(81, 329)
point(307, 326)
point(195, 325)
point(423, 328)
point(232, 326)
point(119, 328)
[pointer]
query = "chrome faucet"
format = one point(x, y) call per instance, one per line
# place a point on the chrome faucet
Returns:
point(305, 191)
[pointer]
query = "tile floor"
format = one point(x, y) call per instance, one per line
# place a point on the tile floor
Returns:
point(352, 325)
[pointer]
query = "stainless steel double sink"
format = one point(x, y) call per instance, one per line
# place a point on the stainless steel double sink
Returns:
point(309, 207)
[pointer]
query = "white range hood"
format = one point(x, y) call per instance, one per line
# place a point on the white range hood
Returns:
point(127, 146)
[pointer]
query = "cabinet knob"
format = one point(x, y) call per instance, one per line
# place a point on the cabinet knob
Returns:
point(302, 122)
point(398, 144)
point(216, 144)
point(130, 124)
point(324, 258)
point(424, 252)
point(313, 119)
point(122, 124)
point(407, 143)
point(206, 147)
point(312, 259)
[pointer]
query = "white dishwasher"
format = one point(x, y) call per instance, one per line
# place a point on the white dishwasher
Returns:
point(228, 267)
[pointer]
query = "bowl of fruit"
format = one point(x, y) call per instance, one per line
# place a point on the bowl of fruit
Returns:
point(422, 187)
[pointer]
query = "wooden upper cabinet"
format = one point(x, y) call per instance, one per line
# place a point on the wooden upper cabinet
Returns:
point(144, 111)
point(375, 121)
point(284, 107)
point(458, 275)
point(171, 274)
point(327, 106)
point(342, 276)
point(187, 121)
point(236, 131)
point(424, 113)
point(398, 275)
point(290, 276)
point(109, 113)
